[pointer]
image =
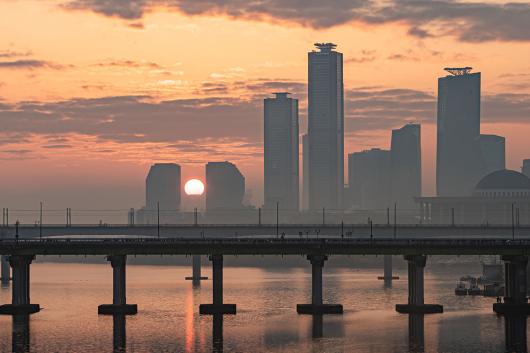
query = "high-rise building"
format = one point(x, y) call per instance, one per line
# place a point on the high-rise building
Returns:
point(492, 153)
point(225, 186)
point(457, 165)
point(369, 175)
point(305, 172)
point(525, 169)
point(405, 159)
point(281, 152)
point(162, 187)
point(326, 127)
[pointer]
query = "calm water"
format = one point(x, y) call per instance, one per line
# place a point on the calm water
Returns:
point(266, 321)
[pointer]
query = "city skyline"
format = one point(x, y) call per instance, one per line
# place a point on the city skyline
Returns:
point(83, 124)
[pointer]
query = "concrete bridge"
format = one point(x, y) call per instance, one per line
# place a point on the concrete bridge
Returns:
point(235, 230)
point(515, 253)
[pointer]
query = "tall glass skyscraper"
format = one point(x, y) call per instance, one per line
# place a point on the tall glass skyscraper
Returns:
point(457, 163)
point(225, 186)
point(281, 152)
point(326, 127)
point(162, 187)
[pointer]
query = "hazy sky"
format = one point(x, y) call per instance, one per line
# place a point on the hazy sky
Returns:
point(94, 91)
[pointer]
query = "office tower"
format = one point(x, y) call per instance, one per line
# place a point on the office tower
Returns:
point(225, 186)
point(457, 165)
point(281, 152)
point(162, 186)
point(369, 175)
point(326, 127)
point(305, 171)
point(405, 159)
point(525, 169)
point(492, 153)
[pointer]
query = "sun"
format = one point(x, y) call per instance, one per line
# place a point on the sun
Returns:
point(194, 187)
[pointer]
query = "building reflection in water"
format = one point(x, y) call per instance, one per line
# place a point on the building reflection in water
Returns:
point(119, 333)
point(20, 333)
point(515, 333)
point(318, 326)
point(217, 333)
point(416, 333)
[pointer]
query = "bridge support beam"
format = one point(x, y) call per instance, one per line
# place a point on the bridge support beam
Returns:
point(217, 307)
point(317, 307)
point(416, 305)
point(196, 270)
point(515, 298)
point(5, 272)
point(20, 299)
point(119, 302)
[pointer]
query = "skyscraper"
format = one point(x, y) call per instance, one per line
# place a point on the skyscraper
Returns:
point(281, 152)
point(369, 175)
point(492, 153)
point(225, 186)
point(405, 156)
point(457, 165)
point(305, 172)
point(162, 187)
point(525, 169)
point(326, 127)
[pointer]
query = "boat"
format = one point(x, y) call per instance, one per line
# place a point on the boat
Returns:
point(460, 289)
point(474, 289)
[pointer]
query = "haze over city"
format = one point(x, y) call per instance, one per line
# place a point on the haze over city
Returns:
point(139, 82)
point(264, 176)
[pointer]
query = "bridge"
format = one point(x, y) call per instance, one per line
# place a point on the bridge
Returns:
point(22, 251)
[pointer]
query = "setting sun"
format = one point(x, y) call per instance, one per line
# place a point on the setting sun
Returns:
point(194, 187)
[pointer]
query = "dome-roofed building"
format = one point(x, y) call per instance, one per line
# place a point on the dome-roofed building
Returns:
point(503, 183)
point(491, 202)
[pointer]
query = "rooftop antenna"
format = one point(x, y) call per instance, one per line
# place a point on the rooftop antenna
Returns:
point(458, 71)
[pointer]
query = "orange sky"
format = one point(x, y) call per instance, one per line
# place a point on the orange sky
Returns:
point(56, 55)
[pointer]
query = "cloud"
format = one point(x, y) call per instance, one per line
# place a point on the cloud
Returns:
point(129, 63)
point(467, 21)
point(363, 57)
point(13, 54)
point(30, 64)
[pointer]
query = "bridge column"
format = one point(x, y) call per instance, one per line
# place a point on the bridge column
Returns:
point(119, 303)
point(5, 272)
point(20, 298)
point(217, 307)
point(317, 307)
point(515, 300)
point(196, 270)
point(416, 264)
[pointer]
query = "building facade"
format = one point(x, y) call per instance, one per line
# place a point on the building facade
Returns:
point(325, 127)
point(458, 126)
point(305, 172)
point(405, 160)
point(525, 169)
point(225, 187)
point(281, 155)
point(369, 175)
point(492, 149)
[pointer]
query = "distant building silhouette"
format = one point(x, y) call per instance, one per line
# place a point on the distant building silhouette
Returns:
point(369, 175)
point(326, 127)
point(492, 153)
point(457, 165)
point(405, 159)
point(281, 156)
point(305, 172)
point(225, 186)
point(525, 169)
point(162, 191)
point(490, 202)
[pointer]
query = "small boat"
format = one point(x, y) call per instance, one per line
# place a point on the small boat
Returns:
point(474, 289)
point(461, 289)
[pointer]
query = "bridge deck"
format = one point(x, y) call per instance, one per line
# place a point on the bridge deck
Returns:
point(264, 246)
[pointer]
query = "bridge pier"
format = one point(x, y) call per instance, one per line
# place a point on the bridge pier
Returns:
point(416, 305)
point(5, 272)
point(317, 307)
point(196, 270)
point(515, 299)
point(119, 302)
point(20, 298)
point(217, 307)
